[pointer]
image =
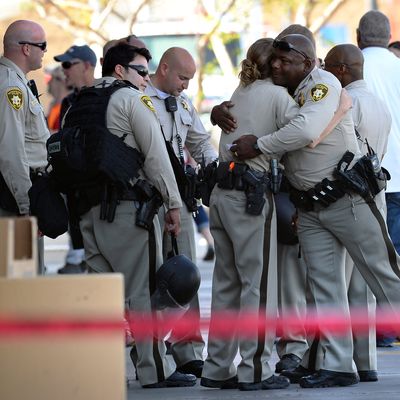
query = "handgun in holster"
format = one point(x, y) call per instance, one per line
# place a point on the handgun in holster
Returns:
point(206, 180)
point(149, 205)
point(188, 191)
point(108, 203)
point(256, 188)
point(350, 177)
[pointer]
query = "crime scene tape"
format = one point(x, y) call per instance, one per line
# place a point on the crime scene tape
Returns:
point(223, 324)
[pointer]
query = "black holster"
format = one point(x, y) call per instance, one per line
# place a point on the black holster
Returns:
point(206, 181)
point(256, 187)
point(351, 178)
point(189, 189)
point(149, 206)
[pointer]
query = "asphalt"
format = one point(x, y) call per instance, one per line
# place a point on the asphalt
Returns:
point(387, 387)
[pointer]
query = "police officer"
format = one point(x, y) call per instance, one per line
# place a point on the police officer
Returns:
point(245, 273)
point(372, 122)
point(122, 246)
point(23, 129)
point(348, 222)
point(181, 126)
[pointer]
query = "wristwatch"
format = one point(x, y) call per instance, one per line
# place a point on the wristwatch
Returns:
point(256, 148)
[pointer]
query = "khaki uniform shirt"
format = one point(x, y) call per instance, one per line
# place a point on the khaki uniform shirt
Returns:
point(318, 96)
point(23, 132)
point(131, 112)
point(259, 108)
point(186, 123)
point(371, 117)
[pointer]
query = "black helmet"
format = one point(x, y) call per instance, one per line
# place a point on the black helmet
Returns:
point(177, 282)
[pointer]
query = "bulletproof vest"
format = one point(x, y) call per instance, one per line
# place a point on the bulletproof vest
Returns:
point(84, 152)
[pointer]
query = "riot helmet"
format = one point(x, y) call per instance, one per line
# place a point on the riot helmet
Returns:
point(177, 282)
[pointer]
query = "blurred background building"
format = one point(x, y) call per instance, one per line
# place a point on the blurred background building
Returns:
point(216, 32)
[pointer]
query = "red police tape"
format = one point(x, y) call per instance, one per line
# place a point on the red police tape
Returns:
point(223, 324)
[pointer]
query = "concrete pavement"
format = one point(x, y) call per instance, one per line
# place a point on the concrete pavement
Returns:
point(387, 388)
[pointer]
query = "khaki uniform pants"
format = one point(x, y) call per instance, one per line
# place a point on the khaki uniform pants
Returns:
point(352, 224)
point(292, 276)
point(123, 247)
point(244, 280)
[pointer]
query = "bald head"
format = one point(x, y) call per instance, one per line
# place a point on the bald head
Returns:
point(21, 41)
point(300, 43)
point(297, 29)
point(175, 70)
point(21, 30)
point(177, 57)
point(346, 62)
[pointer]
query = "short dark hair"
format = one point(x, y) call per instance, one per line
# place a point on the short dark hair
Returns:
point(122, 54)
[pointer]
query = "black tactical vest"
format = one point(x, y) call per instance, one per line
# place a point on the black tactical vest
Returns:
point(84, 153)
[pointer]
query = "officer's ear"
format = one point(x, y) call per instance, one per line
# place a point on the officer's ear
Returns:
point(119, 71)
point(163, 68)
point(308, 64)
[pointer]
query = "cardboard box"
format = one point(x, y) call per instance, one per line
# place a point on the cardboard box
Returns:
point(78, 365)
point(18, 247)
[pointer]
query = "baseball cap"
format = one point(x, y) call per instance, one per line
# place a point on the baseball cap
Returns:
point(84, 53)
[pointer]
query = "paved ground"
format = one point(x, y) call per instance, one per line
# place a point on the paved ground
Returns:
point(387, 388)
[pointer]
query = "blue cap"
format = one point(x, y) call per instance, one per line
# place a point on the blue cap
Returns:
point(84, 53)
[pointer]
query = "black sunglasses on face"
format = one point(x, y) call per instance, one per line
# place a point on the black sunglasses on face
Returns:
point(69, 64)
point(140, 69)
point(286, 46)
point(42, 45)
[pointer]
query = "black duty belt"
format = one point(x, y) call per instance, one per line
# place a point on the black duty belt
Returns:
point(323, 194)
point(238, 176)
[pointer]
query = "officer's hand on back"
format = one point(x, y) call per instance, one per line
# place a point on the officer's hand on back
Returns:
point(173, 221)
point(221, 116)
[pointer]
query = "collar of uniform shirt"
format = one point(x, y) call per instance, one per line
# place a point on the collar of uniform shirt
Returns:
point(162, 95)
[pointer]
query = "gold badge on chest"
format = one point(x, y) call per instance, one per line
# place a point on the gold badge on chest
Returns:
point(185, 105)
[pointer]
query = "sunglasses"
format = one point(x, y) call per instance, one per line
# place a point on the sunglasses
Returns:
point(286, 46)
point(69, 64)
point(140, 69)
point(42, 45)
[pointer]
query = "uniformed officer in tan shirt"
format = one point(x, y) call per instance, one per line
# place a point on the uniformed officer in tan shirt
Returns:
point(23, 129)
point(372, 121)
point(182, 127)
point(245, 273)
point(121, 246)
point(350, 222)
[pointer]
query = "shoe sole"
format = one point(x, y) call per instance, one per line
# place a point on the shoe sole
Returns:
point(337, 382)
point(168, 384)
point(247, 388)
point(218, 385)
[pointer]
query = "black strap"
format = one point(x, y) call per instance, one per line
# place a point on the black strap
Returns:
point(174, 247)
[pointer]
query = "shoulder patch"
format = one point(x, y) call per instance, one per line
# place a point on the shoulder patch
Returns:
point(319, 91)
point(15, 98)
point(185, 105)
point(147, 102)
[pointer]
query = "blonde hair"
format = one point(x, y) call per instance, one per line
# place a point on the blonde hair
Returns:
point(256, 64)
